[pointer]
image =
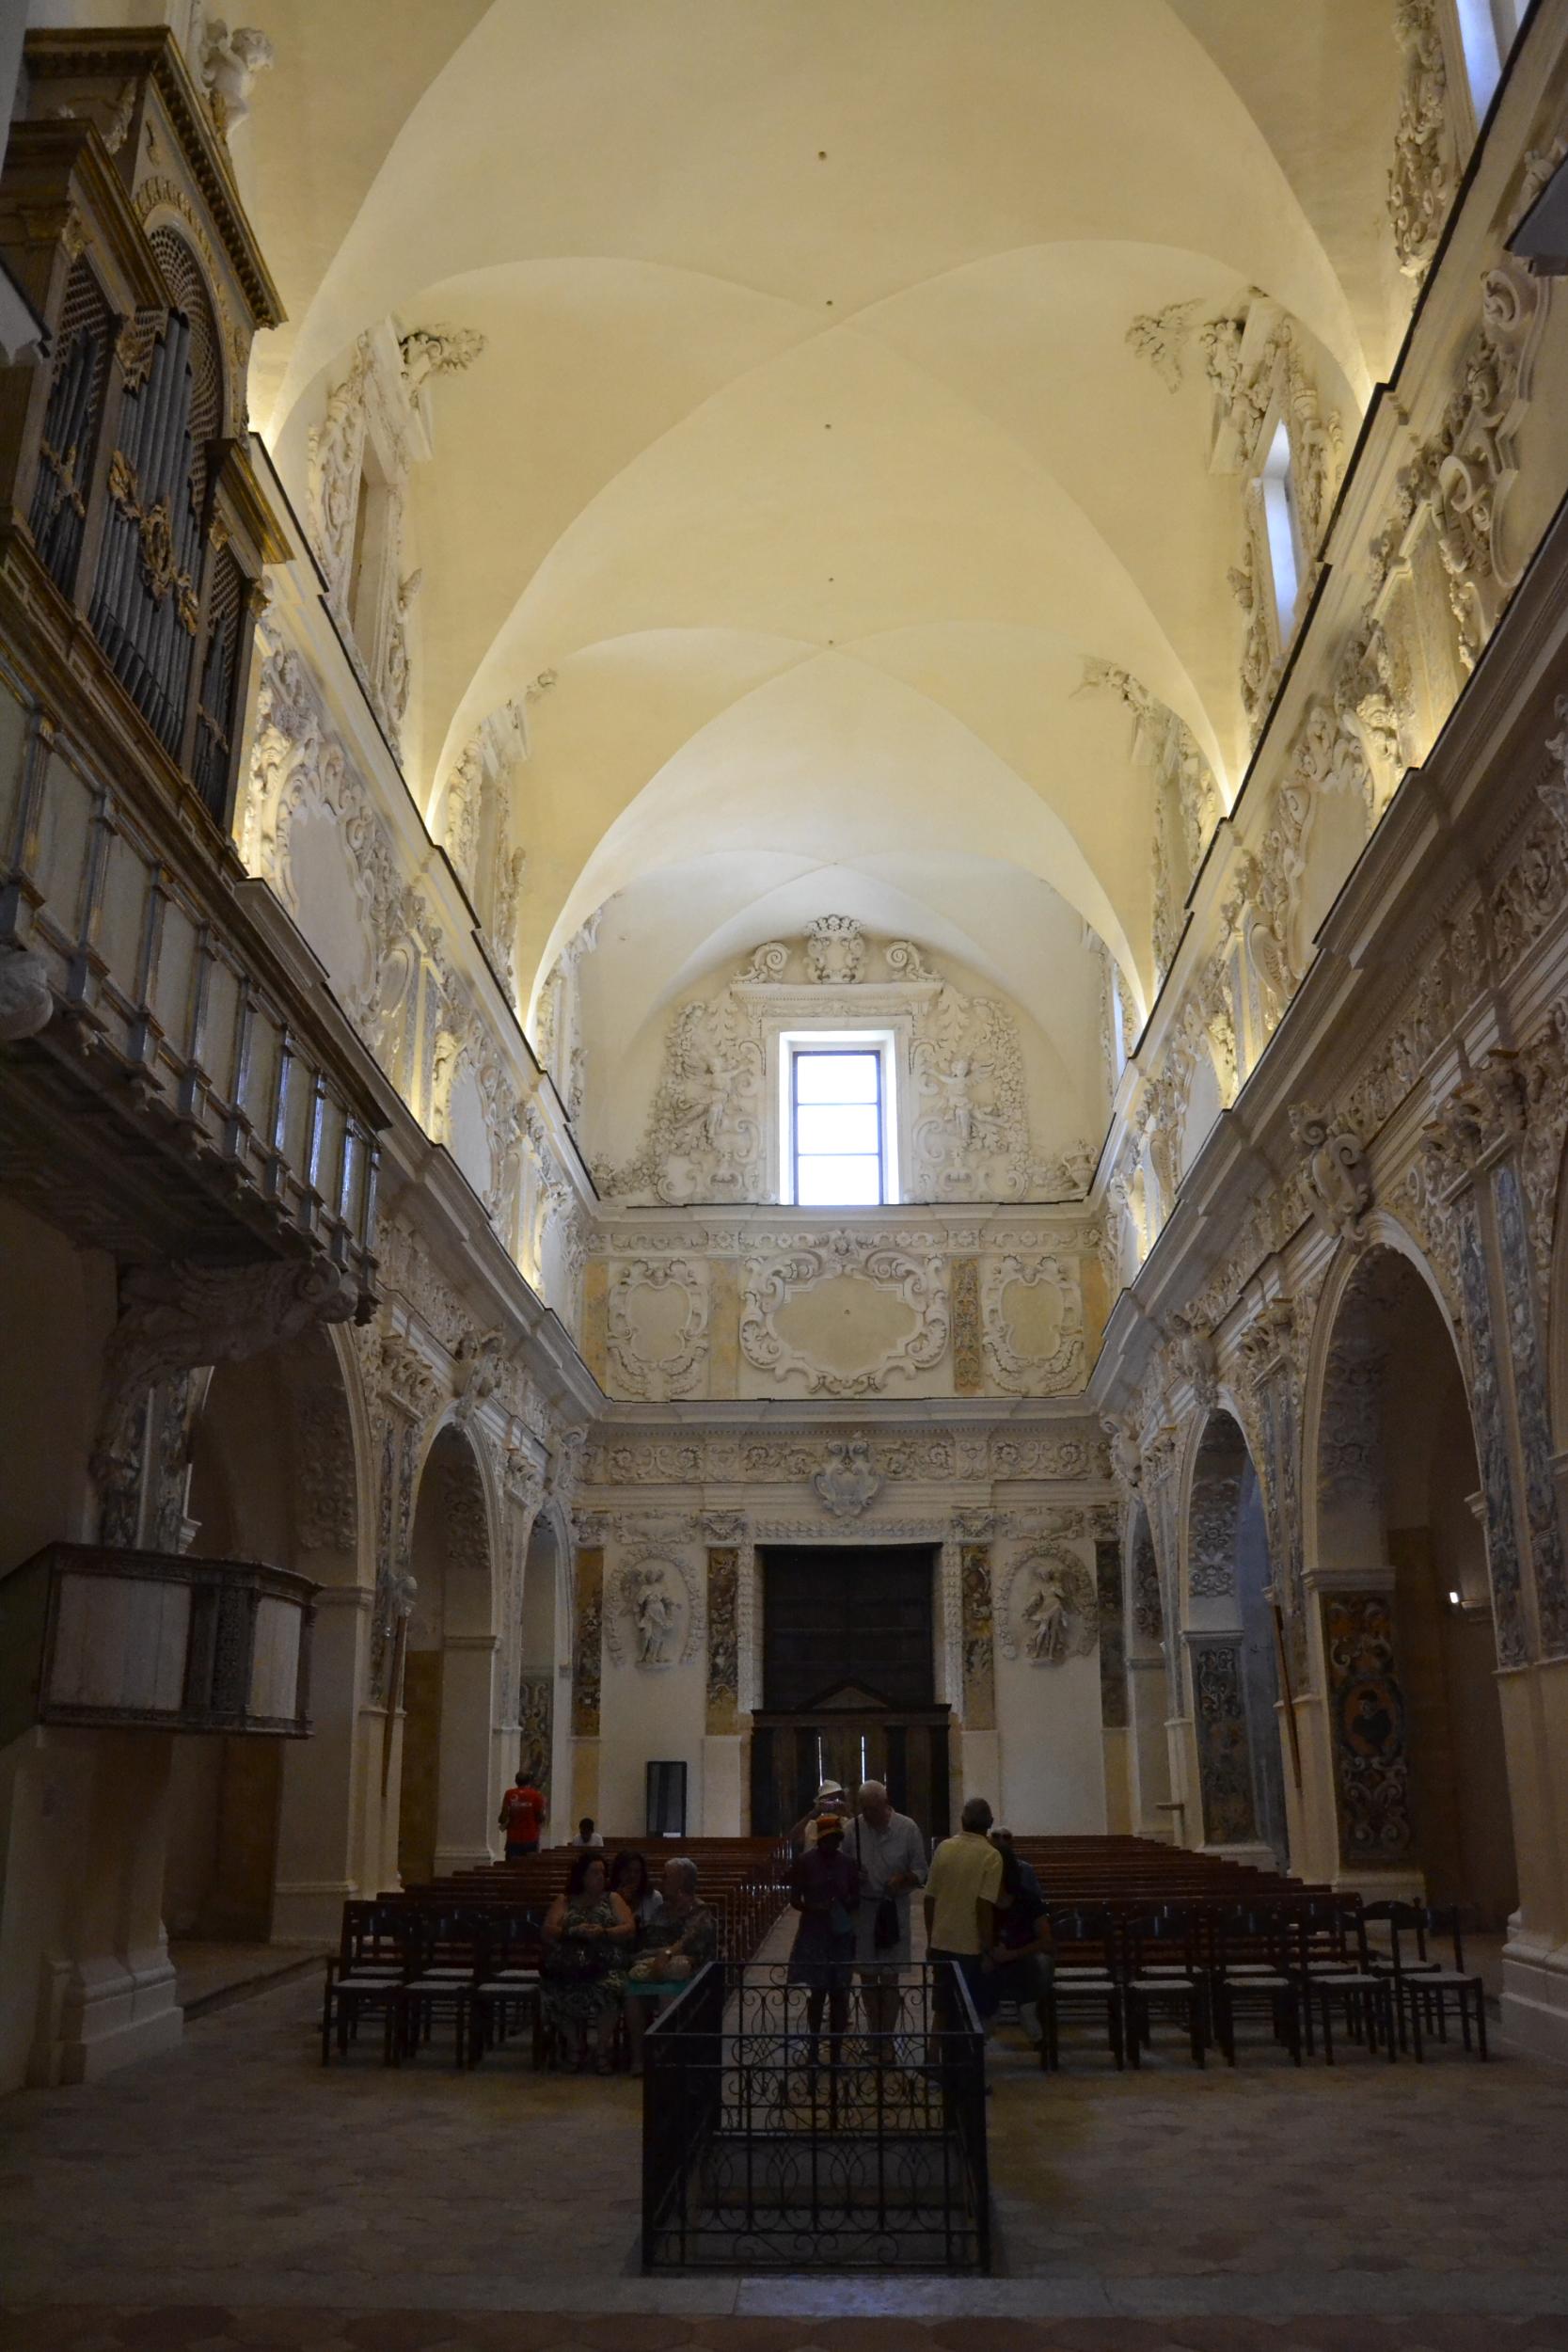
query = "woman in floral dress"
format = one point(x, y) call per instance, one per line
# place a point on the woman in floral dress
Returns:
point(588, 1940)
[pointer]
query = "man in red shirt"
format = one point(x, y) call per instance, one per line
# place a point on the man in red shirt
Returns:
point(521, 1814)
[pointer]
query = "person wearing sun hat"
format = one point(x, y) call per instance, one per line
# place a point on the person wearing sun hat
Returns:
point(829, 1797)
point(825, 1889)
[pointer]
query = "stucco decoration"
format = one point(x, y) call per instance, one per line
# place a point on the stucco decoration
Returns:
point(1160, 337)
point(588, 1642)
point(1224, 1757)
point(654, 1609)
point(835, 950)
point(229, 62)
point(656, 1324)
point(1114, 1708)
point(1367, 1709)
point(848, 1483)
point(537, 1727)
point(1034, 1326)
point(310, 828)
point(1188, 804)
point(979, 1637)
point(843, 1312)
point(1425, 170)
point(1047, 1609)
point(723, 1642)
point(707, 1130)
point(792, 1458)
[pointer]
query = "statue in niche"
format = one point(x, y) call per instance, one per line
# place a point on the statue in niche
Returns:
point(1047, 1627)
point(656, 1613)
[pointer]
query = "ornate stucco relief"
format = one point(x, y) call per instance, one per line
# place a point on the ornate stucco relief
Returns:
point(1046, 1607)
point(657, 1325)
point(708, 1131)
point(846, 1313)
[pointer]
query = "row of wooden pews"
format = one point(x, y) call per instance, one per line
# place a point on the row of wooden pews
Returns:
point(463, 1951)
point(1146, 1932)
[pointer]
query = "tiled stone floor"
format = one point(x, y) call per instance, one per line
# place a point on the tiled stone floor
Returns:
point(236, 2194)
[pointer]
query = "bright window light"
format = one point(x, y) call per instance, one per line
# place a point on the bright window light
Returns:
point(1486, 32)
point(1279, 517)
point(1453, 1600)
point(837, 1126)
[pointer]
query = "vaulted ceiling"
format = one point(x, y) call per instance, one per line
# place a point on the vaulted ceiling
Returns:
point(807, 449)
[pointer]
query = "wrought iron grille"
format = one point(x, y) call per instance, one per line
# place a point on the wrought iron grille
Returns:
point(767, 2147)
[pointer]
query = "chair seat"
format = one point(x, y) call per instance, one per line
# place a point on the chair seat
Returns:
point(1256, 1981)
point(1428, 1980)
point(1353, 1983)
point(1083, 1980)
point(505, 1989)
point(427, 1987)
point(1161, 1984)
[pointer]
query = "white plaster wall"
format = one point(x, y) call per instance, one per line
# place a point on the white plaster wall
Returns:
point(649, 1715)
point(1053, 1751)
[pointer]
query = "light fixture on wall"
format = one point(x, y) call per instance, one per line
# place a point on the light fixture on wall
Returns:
point(1454, 1601)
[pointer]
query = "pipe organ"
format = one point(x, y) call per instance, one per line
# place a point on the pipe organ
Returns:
point(124, 463)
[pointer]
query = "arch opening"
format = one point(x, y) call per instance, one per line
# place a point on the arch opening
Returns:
point(448, 1699)
point(1410, 1646)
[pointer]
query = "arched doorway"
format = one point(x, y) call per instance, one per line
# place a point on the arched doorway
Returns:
point(262, 1841)
point(1148, 1685)
point(444, 1802)
point(1230, 1622)
point(538, 1653)
point(1409, 1649)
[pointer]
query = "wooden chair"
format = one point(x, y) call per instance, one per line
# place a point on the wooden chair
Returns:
point(1423, 1983)
point(1166, 1970)
point(505, 1989)
point(1342, 1975)
point(1250, 1970)
point(1084, 1978)
point(365, 1978)
point(448, 1954)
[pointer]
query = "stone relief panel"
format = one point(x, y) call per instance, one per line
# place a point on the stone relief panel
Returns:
point(1047, 1608)
point(1224, 1754)
point(1371, 1767)
point(844, 1314)
point(1034, 1326)
point(657, 1314)
point(537, 1727)
point(979, 1637)
point(653, 1613)
point(588, 1643)
point(723, 1640)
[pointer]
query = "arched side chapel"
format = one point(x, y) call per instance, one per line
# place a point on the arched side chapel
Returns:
point(406, 1182)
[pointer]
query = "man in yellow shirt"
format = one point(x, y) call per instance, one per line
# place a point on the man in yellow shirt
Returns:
point(961, 1887)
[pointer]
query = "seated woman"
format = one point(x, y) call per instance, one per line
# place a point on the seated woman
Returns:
point(681, 1937)
point(588, 1935)
point(1018, 1966)
point(630, 1879)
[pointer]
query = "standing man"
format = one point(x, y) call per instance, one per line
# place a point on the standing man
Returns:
point(961, 1889)
point(891, 1853)
point(522, 1816)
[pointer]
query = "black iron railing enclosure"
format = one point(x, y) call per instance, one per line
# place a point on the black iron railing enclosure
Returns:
point(767, 2148)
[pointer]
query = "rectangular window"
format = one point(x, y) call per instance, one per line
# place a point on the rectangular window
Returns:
point(838, 1155)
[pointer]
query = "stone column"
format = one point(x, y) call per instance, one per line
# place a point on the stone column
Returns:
point(322, 1815)
point(523, 1492)
point(1184, 1807)
point(1269, 1380)
point(404, 1393)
